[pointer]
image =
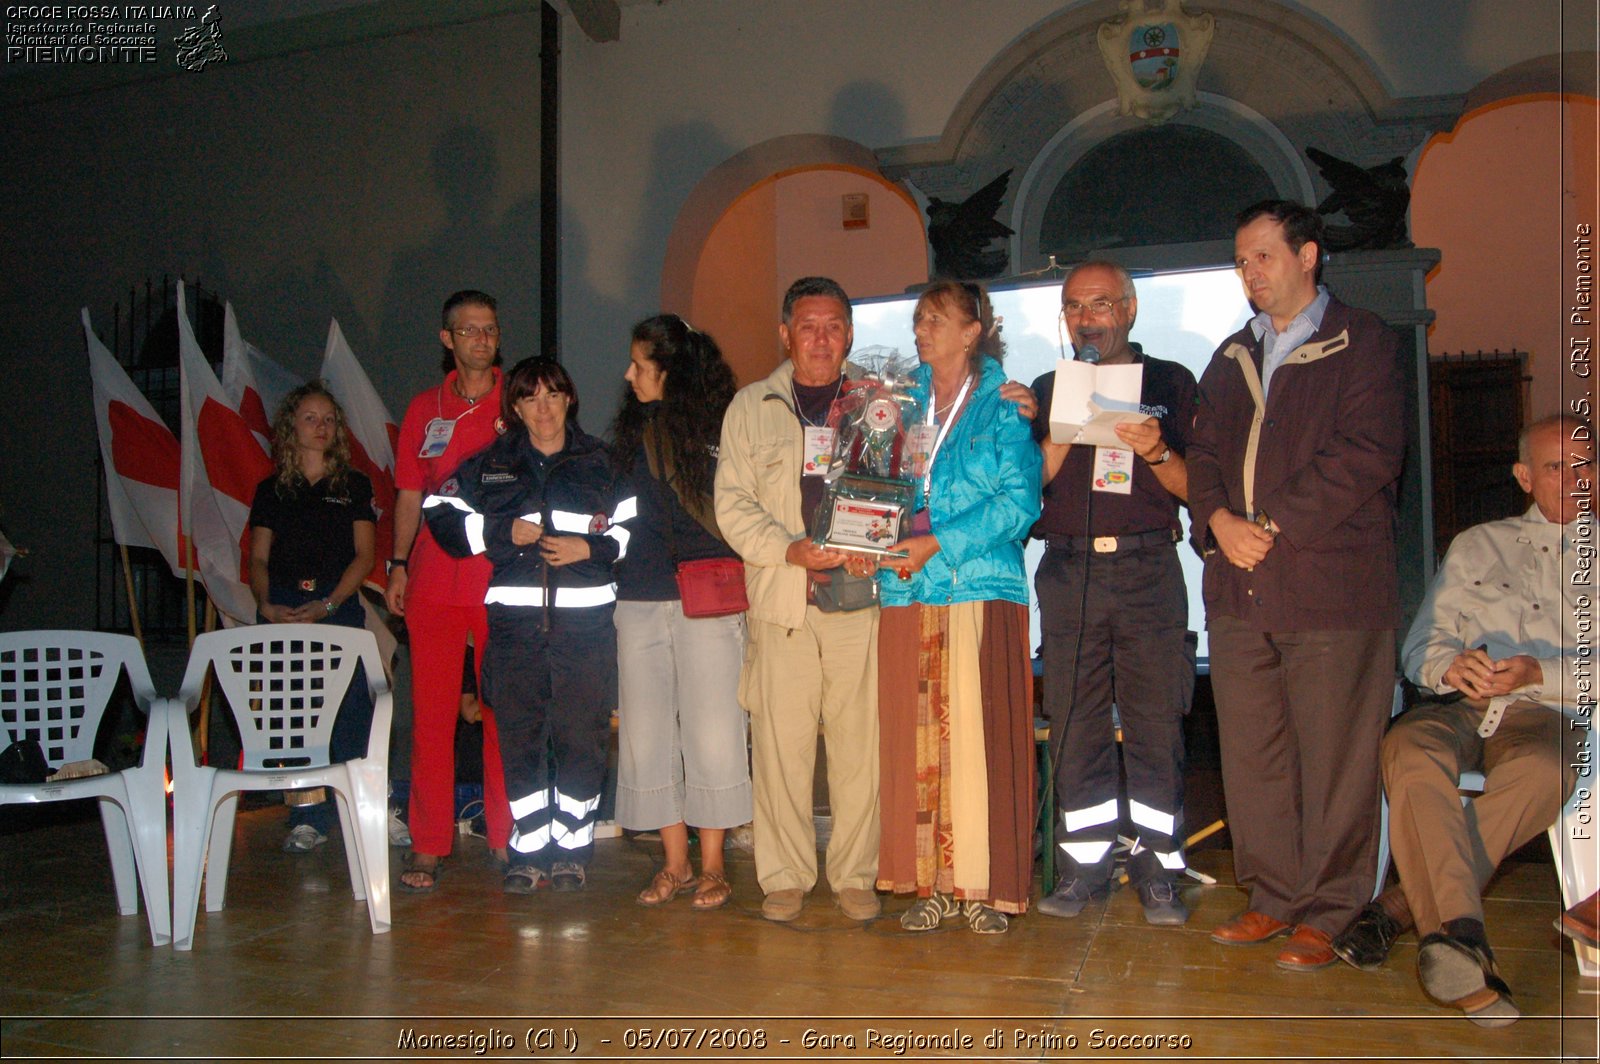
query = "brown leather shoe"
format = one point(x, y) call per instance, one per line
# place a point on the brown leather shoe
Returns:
point(1307, 950)
point(859, 903)
point(1582, 921)
point(1249, 928)
point(783, 906)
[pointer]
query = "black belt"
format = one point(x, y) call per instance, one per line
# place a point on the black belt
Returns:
point(1113, 544)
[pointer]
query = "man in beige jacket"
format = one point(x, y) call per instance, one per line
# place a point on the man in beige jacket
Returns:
point(802, 666)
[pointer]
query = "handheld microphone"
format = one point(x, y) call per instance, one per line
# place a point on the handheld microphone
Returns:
point(1089, 353)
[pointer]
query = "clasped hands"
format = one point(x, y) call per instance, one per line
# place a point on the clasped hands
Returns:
point(557, 550)
point(1242, 542)
point(1478, 675)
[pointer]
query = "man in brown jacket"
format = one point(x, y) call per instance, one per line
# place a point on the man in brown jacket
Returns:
point(1298, 440)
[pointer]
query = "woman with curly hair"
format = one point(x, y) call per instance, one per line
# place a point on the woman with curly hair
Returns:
point(312, 535)
point(682, 750)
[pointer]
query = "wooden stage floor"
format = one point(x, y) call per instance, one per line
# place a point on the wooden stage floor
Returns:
point(290, 970)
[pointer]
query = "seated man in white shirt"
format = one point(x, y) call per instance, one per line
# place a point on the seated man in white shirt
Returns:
point(1492, 652)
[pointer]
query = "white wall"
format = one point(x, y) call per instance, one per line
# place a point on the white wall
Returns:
point(692, 82)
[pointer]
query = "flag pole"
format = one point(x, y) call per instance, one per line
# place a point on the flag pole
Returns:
point(188, 583)
point(133, 606)
point(205, 690)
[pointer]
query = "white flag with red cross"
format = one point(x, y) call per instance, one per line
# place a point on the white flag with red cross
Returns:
point(223, 461)
point(141, 457)
point(252, 381)
point(373, 437)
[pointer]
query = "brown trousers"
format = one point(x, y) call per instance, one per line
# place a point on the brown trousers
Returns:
point(1443, 850)
point(1300, 716)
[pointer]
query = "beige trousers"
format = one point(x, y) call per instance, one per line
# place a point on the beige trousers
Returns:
point(1443, 850)
point(826, 672)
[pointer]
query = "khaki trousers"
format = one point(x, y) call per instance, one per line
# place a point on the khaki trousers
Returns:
point(825, 671)
point(1443, 850)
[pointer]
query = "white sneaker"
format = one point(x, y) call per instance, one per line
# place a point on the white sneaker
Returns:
point(399, 832)
point(303, 838)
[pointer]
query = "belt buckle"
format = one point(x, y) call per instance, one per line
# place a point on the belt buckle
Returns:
point(1105, 544)
point(308, 585)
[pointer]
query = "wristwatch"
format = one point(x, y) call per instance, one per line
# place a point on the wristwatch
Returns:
point(1166, 456)
point(392, 564)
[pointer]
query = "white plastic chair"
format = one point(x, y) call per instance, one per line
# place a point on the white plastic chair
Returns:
point(54, 688)
point(1572, 842)
point(1577, 853)
point(284, 684)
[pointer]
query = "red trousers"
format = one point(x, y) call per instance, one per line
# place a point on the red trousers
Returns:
point(438, 647)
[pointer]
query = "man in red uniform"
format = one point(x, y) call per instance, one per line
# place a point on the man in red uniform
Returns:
point(441, 597)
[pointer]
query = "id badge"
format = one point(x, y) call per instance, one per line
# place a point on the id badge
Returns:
point(1113, 470)
point(818, 450)
point(919, 447)
point(436, 437)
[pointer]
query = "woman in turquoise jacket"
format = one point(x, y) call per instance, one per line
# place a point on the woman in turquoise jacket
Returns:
point(955, 696)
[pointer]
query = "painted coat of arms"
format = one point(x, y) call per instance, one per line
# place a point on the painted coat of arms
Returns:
point(1154, 50)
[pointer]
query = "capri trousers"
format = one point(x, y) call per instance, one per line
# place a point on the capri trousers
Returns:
point(682, 748)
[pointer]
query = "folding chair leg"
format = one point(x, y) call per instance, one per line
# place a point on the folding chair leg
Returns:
point(149, 832)
point(353, 858)
point(191, 838)
point(219, 851)
point(119, 841)
point(369, 792)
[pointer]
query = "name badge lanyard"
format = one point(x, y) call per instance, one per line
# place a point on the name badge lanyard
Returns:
point(938, 441)
point(439, 431)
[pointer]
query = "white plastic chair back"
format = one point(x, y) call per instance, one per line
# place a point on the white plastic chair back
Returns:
point(284, 684)
point(284, 690)
point(55, 685)
point(54, 688)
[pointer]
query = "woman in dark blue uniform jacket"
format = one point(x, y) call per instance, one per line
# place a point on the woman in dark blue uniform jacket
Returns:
point(541, 504)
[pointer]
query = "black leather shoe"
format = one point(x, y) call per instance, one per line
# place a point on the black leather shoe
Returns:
point(1070, 897)
point(1163, 905)
point(1366, 943)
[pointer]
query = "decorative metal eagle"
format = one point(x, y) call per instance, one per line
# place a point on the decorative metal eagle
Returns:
point(1374, 198)
point(961, 234)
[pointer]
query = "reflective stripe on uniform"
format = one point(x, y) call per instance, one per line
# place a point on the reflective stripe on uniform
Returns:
point(1078, 819)
point(565, 597)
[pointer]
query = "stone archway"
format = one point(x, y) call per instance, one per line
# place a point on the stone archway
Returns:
point(1275, 82)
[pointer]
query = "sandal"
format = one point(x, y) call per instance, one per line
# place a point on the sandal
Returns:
point(415, 867)
point(665, 886)
point(984, 920)
point(926, 914)
point(715, 892)
point(525, 879)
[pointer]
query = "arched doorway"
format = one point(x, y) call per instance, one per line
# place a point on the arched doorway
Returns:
point(777, 212)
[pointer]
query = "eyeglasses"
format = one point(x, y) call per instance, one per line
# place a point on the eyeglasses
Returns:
point(1097, 306)
point(472, 332)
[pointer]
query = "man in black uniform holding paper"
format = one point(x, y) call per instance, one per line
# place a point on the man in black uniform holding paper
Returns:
point(1115, 614)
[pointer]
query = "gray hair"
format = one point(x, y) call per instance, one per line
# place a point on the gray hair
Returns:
point(1575, 428)
point(1117, 268)
point(815, 286)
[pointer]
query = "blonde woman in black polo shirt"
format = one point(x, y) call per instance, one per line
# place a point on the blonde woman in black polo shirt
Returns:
point(312, 536)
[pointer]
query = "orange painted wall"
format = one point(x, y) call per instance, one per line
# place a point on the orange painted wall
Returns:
point(789, 227)
point(733, 284)
point(1499, 196)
